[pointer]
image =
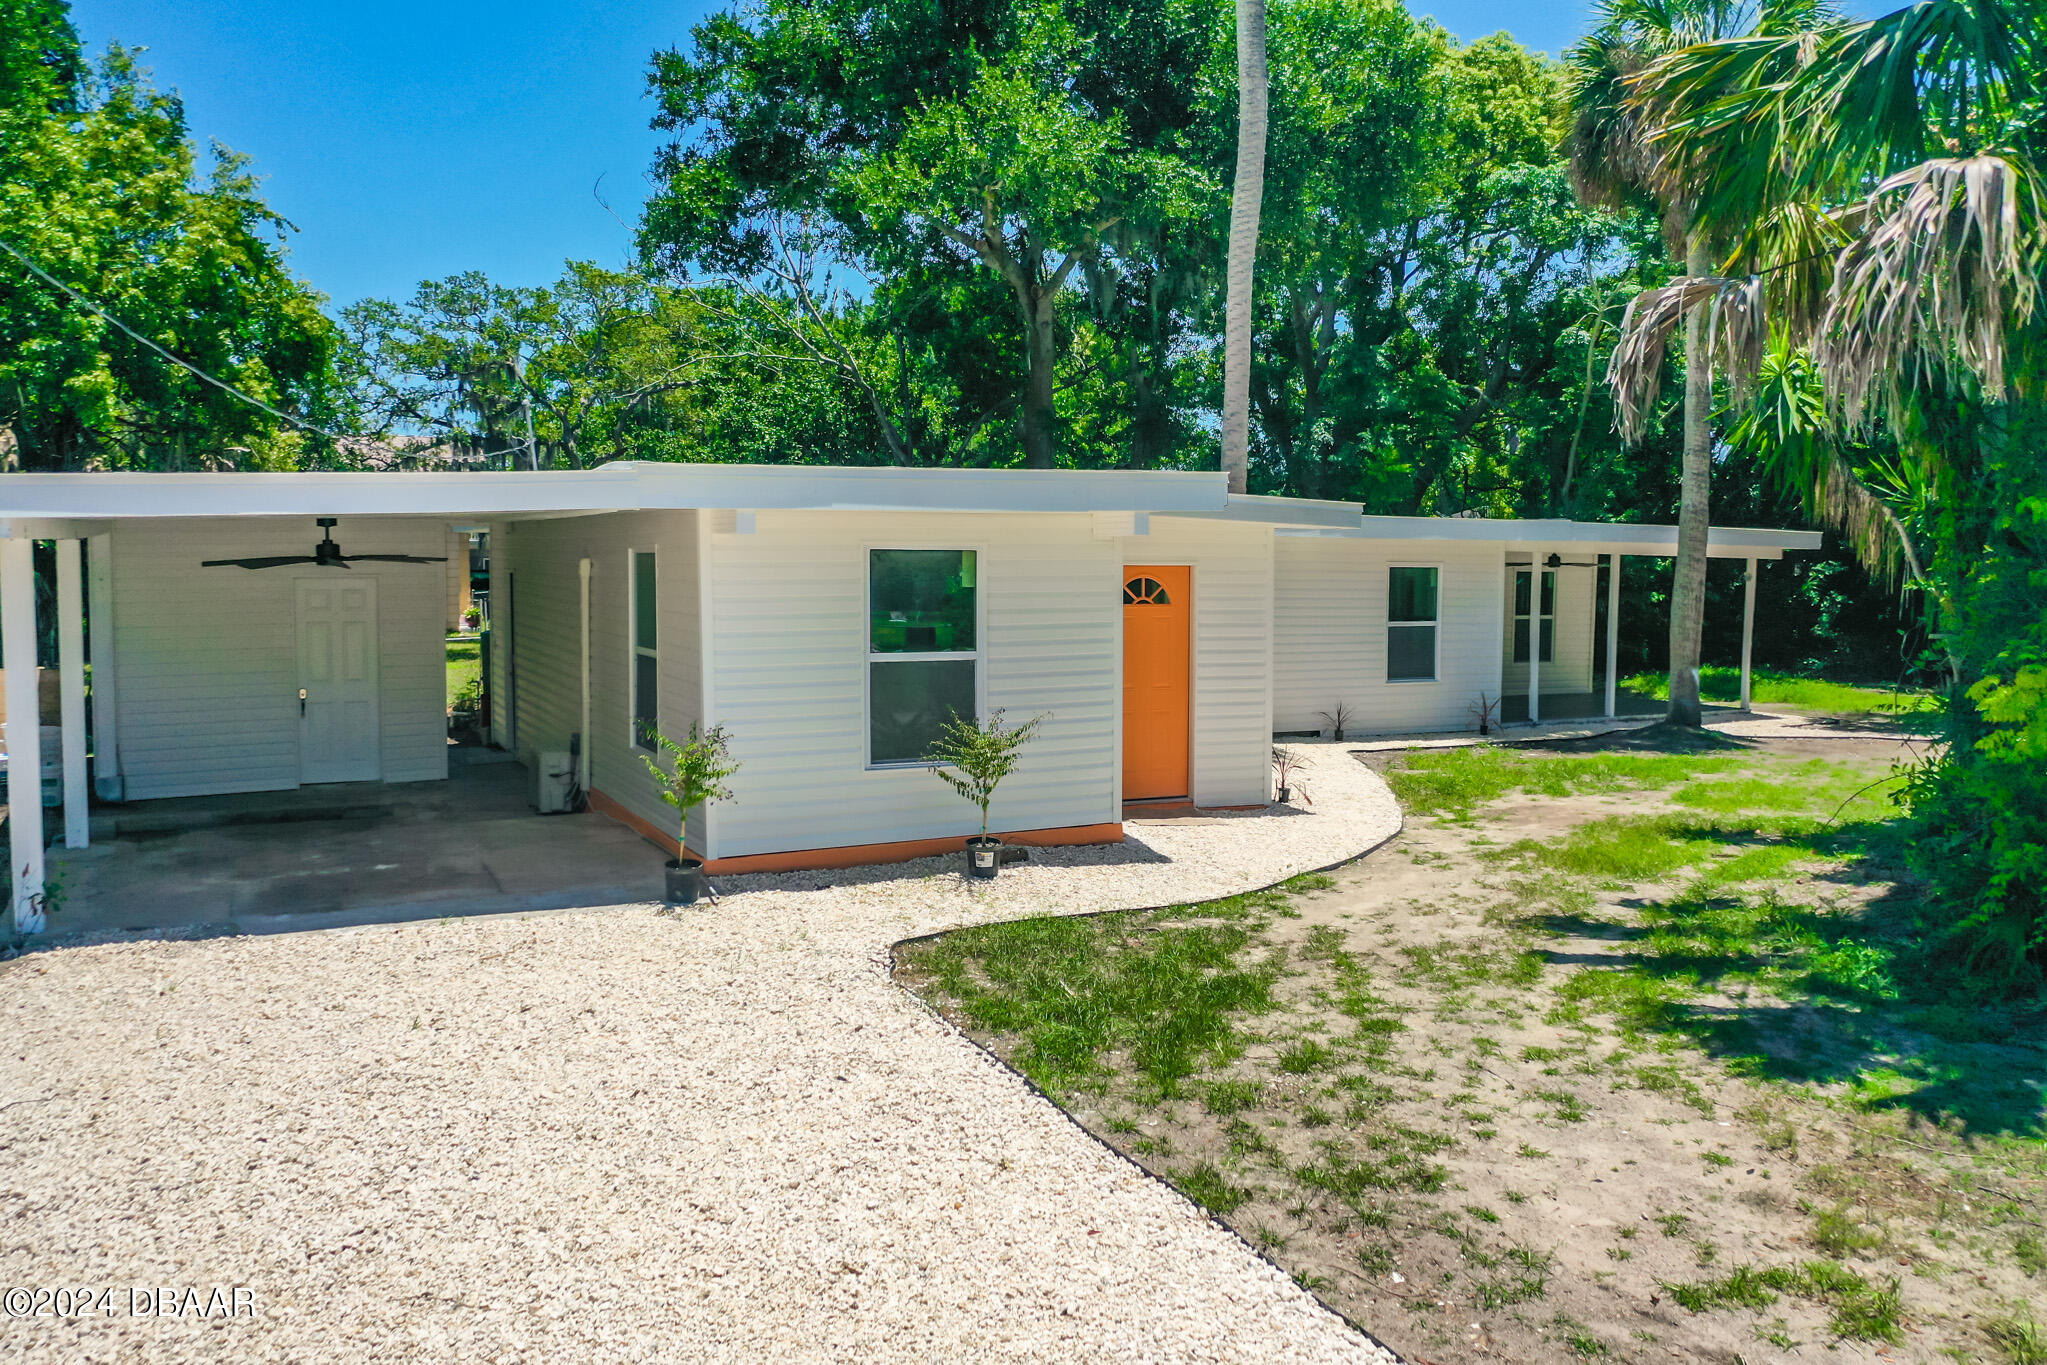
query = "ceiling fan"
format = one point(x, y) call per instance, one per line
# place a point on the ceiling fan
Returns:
point(327, 554)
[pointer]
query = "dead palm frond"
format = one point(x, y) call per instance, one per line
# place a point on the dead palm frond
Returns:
point(1734, 332)
point(1946, 267)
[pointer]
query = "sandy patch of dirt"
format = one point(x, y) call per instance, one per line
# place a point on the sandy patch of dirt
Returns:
point(1475, 1174)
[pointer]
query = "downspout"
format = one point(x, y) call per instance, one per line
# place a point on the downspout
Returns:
point(583, 749)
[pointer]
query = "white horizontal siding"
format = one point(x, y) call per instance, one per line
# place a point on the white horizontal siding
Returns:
point(1570, 671)
point(208, 658)
point(788, 650)
point(543, 557)
point(1233, 647)
point(1330, 634)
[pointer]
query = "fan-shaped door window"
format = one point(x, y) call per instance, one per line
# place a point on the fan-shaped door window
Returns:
point(1142, 591)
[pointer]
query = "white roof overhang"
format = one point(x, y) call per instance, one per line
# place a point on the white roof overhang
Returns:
point(69, 505)
point(1562, 537)
point(1286, 512)
point(47, 499)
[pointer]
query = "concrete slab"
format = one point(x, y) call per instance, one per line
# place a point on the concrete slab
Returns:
point(326, 858)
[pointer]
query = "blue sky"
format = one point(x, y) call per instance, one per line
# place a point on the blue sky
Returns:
point(412, 141)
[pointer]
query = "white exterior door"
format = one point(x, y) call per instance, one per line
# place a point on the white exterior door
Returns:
point(337, 633)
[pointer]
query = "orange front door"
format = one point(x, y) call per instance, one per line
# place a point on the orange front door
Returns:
point(1157, 655)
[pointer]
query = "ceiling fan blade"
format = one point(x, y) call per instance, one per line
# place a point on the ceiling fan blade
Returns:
point(402, 559)
point(272, 562)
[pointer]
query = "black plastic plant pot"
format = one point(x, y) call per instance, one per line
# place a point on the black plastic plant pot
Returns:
point(685, 881)
point(984, 857)
point(1286, 794)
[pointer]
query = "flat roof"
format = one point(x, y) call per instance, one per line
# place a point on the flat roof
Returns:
point(621, 486)
point(1552, 534)
point(50, 505)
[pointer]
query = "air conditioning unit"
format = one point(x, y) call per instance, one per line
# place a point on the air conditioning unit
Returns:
point(554, 776)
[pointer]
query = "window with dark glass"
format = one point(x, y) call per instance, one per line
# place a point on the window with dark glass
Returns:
point(923, 654)
point(1410, 625)
point(1522, 593)
point(646, 680)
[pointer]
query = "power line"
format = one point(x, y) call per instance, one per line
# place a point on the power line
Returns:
point(230, 390)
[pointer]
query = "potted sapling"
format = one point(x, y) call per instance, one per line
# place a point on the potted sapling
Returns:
point(972, 757)
point(1286, 775)
point(695, 776)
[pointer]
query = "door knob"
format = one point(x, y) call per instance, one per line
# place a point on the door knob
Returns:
point(302, 701)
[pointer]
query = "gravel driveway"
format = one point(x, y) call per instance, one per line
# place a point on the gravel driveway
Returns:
point(618, 1134)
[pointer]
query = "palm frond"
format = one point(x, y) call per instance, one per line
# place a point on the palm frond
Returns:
point(1734, 334)
point(1794, 247)
point(1746, 124)
point(1947, 266)
point(1786, 429)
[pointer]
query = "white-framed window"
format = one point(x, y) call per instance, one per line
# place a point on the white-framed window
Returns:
point(646, 657)
point(1523, 594)
point(1411, 607)
point(923, 649)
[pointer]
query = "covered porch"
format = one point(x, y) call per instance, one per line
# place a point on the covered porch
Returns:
point(1584, 682)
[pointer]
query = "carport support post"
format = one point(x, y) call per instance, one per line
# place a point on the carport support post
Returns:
point(71, 679)
point(1748, 629)
point(24, 731)
point(1613, 633)
point(1535, 636)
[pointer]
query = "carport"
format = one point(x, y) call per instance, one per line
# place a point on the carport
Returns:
point(266, 663)
point(344, 854)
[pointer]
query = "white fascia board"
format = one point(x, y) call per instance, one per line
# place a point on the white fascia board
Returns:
point(1303, 512)
point(48, 528)
point(1736, 542)
point(471, 495)
point(620, 486)
point(827, 488)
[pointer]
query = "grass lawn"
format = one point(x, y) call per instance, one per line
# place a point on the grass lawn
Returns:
point(1767, 686)
point(465, 668)
point(1619, 1053)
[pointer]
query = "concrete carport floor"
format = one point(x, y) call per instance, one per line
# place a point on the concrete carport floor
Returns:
point(343, 854)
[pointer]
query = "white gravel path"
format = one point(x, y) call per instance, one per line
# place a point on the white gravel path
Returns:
point(617, 1134)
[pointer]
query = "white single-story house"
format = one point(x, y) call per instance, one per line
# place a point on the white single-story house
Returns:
point(829, 619)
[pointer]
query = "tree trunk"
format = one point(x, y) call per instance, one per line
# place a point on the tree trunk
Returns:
point(1245, 201)
point(1040, 441)
point(1688, 584)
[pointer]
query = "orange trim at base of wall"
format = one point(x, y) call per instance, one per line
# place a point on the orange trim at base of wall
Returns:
point(853, 855)
point(612, 810)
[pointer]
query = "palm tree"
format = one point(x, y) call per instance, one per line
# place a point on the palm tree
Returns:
point(1883, 186)
point(1614, 159)
point(1246, 198)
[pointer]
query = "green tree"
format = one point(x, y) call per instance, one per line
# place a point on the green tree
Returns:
point(1011, 150)
point(101, 186)
point(1884, 180)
